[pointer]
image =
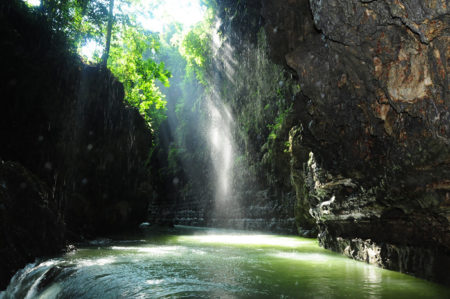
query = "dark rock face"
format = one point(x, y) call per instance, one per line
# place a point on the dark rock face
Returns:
point(30, 223)
point(67, 124)
point(104, 149)
point(368, 134)
point(371, 148)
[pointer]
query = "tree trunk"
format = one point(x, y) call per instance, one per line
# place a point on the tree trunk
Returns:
point(108, 34)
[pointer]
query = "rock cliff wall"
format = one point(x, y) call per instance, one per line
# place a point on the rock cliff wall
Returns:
point(346, 105)
point(73, 155)
point(370, 151)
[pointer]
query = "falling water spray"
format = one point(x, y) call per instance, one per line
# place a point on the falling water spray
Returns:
point(222, 150)
point(222, 156)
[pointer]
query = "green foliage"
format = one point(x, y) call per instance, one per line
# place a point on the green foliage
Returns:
point(133, 50)
point(279, 122)
point(259, 92)
point(186, 56)
point(131, 62)
point(172, 158)
point(196, 49)
point(79, 20)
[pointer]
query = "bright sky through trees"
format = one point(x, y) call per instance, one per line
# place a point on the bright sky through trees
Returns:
point(124, 36)
point(153, 15)
point(33, 2)
point(186, 12)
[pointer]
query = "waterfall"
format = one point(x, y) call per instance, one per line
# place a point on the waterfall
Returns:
point(221, 141)
point(222, 152)
point(222, 149)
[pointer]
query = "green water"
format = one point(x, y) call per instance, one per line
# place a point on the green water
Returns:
point(209, 263)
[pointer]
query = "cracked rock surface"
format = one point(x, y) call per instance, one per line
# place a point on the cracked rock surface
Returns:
point(375, 119)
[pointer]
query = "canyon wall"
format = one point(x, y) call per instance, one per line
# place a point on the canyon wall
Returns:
point(73, 155)
point(338, 112)
point(236, 115)
point(341, 112)
point(370, 153)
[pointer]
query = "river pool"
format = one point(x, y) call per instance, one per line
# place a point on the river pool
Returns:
point(187, 262)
